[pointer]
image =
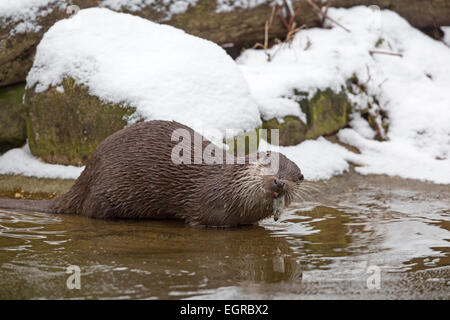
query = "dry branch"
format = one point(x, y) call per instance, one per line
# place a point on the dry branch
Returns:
point(385, 52)
point(325, 15)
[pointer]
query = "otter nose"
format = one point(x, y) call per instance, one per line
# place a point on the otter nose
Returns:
point(301, 177)
point(280, 184)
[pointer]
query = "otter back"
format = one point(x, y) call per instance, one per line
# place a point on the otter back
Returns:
point(131, 175)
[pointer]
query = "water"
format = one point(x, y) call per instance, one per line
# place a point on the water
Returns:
point(320, 248)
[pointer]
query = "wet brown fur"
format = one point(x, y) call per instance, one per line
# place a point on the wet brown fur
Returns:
point(131, 175)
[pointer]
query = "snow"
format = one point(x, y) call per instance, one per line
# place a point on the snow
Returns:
point(230, 5)
point(26, 13)
point(396, 158)
point(167, 7)
point(318, 159)
point(21, 161)
point(446, 37)
point(163, 72)
point(412, 89)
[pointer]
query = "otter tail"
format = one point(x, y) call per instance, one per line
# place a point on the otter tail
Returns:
point(29, 205)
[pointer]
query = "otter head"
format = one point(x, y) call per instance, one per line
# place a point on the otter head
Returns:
point(281, 179)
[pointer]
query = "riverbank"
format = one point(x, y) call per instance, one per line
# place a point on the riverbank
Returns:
point(21, 187)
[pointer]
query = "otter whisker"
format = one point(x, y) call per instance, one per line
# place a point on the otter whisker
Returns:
point(290, 195)
point(317, 185)
point(310, 187)
point(298, 195)
point(306, 192)
point(309, 191)
point(303, 193)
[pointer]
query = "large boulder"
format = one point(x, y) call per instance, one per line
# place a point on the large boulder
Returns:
point(235, 24)
point(326, 113)
point(22, 25)
point(66, 123)
point(78, 94)
point(12, 117)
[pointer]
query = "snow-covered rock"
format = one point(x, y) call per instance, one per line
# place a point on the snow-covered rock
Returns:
point(22, 24)
point(166, 8)
point(411, 89)
point(159, 71)
point(25, 14)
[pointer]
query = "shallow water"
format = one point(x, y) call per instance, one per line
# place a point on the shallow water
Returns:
point(321, 248)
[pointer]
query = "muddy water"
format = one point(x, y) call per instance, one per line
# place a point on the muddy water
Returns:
point(393, 234)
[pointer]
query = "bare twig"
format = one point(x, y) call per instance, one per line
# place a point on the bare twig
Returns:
point(382, 82)
point(290, 35)
point(288, 22)
point(288, 7)
point(385, 52)
point(272, 14)
point(292, 18)
point(266, 36)
point(283, 20)
point(265, 46)
point(324, 15)
point(258, 45)
point(322, 22)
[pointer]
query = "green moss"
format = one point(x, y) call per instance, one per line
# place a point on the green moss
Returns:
point(379, 42)
point(326, 113)
point(66, 127)
point(291, 131)
point(249, 140)
point(12, 117)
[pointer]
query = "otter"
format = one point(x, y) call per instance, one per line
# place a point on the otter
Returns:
point(135, 174)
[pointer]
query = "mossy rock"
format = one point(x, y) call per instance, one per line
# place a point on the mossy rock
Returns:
point(244, 143)
point(326, 113)
point(240, 27)
point(292, 130)
point(17, 49)
point(12, 117)
point(65, 127)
